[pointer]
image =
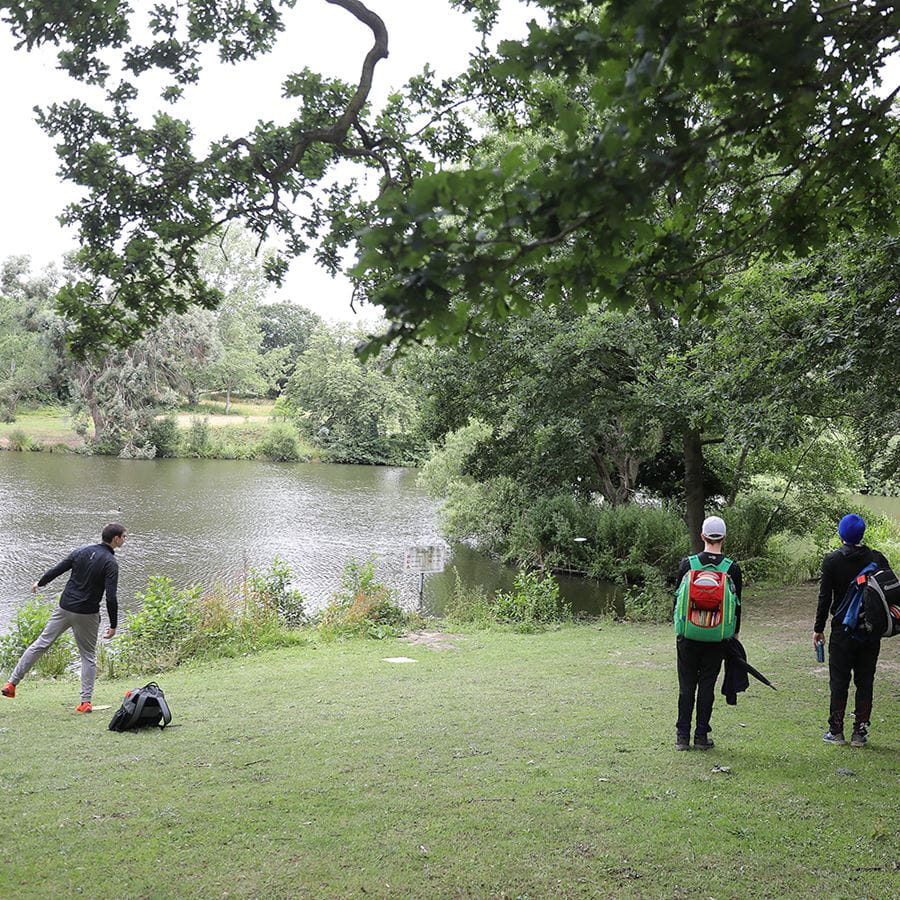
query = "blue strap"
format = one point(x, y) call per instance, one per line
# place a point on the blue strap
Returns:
point(851, 618)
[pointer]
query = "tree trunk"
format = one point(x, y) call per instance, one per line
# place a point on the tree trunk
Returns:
point(86, 383)
point(694, 499)
point(227, 401)
point(737, 477)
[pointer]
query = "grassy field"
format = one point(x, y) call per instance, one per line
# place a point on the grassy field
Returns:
point(513, 766)
point(247, 423)
point(46, 424)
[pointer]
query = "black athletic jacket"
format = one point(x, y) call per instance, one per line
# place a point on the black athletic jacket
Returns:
point(838, 570)
point(713, 559)
point(94, 570)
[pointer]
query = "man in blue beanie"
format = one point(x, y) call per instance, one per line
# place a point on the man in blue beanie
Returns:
point(847, 655)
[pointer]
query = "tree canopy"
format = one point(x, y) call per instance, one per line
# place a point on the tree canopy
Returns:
point(653, 146)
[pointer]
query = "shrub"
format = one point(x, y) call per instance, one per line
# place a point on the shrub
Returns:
point(132, 450)
point(165, 436)
point(363, 606)
point(469, 605)
point(197, 441)
point(534, 600)
point(749, 529)
point(223, 449)
point(649, 601)
point(269, 595)
point(26, 625)
point(107, 446)
point(627, 541)
point(165, 631)
point(281, 444)
point(18, 440)
point(543, 534)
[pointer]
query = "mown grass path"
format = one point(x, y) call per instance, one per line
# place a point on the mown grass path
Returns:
point(519, 765)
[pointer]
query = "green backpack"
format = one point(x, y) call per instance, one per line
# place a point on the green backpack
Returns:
point(705, 602)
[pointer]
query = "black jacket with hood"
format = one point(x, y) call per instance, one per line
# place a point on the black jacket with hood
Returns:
point(838, 571)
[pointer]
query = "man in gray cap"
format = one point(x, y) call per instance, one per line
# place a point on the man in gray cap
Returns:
point(699, 662)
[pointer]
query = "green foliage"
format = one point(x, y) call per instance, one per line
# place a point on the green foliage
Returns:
point(355, 412)
point(269, 592)
point(287, 327)
point(623, 542)
point(18, 440)
point(165, 436)
point(25, 627)
point(533, 601)
point(197, 441)
point(26, 351)
point(447, 464)
point(174, 626)
point(469, 604)
point(281, 444)
point(650, 600)
point(752, 521)
point(652, 146)
point(165, 631)
point(363, 606)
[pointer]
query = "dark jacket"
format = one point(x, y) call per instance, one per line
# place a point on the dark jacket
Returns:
point(94, 570)
point(736, 678)
point(713, 559)
point(838, 570)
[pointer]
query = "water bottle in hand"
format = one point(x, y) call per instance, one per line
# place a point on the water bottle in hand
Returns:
point(820, 651)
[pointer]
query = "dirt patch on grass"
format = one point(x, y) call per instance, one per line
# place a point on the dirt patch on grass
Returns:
point(433, 640)
point(184, 419)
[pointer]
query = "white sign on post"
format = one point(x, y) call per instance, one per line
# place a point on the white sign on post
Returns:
point(425, 559)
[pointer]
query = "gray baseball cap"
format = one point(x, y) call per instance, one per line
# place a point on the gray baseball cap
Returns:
point(713, 528)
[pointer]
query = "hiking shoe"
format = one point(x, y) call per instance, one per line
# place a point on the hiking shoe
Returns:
point(836, 738)
point(682, 743)
point(8, 690)
point(858, 739)
point(84, 707)
point(703, 743)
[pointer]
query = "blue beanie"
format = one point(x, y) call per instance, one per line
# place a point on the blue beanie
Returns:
point(851, 529)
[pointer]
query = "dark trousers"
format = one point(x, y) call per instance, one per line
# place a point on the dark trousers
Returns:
point(699, 664)
point(848, 656)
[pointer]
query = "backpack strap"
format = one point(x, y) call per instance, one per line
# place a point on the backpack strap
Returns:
point(722, 566)
point(867, 570)
point(725, 565)
point(164, 708)
point(138, 709)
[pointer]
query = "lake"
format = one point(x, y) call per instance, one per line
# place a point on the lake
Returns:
point(210, 521)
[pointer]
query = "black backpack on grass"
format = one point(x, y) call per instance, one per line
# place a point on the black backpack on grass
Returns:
point(142, 706)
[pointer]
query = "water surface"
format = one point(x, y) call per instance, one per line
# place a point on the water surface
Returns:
point(210, 521)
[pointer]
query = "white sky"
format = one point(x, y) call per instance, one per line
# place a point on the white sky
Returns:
point(230, 100)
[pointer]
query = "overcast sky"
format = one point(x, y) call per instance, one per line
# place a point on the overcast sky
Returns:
point(230, 100)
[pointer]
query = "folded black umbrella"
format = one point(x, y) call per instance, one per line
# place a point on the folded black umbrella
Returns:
point(736, 671)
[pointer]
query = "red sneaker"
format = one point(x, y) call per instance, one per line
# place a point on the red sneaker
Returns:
point(84, 707)
point(8, 689)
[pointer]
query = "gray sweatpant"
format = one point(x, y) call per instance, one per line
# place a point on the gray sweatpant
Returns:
point(84, 627)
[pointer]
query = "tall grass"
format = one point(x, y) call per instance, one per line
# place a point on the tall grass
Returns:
point(175, 625)
point(27, 623)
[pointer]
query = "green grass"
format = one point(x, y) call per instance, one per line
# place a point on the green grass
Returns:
point(46, 424)
point(518, 765)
